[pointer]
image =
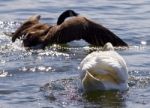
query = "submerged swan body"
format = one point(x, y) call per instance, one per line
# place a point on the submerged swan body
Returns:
point(75, 28)
point(104, 70)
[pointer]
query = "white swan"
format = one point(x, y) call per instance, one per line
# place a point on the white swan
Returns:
point(104, 70)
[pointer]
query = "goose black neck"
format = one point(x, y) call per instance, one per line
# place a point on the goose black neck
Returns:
point(64, 15)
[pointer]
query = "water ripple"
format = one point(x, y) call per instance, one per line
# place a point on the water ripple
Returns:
point(30, 69)
point(36, 69)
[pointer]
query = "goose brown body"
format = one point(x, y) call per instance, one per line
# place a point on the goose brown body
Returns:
point(74, 28)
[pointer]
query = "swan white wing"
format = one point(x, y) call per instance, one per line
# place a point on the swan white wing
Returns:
point(106, 65)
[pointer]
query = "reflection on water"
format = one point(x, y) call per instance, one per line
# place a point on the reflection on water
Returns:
point(106, 99)
point(50, 78)
point(67, 92)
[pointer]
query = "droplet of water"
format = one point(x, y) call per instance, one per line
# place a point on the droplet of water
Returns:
point(41, 68)
point(2, 61)
point(143, 42)
point(32, 69)
point(3, 73)
point(24, 69)
point(48, 69)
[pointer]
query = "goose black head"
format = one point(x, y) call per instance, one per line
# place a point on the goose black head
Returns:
point(66, 14)
point(71, 13)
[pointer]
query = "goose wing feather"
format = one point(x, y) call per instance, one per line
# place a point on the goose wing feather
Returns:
point(77, 28)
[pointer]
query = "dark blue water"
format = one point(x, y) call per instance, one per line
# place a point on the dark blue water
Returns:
point(49, 78)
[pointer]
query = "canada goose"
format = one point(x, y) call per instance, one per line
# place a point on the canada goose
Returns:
point(104, 70)
point(32, 31)
point(75, 28)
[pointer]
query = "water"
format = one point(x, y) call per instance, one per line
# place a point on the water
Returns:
point(49, 78)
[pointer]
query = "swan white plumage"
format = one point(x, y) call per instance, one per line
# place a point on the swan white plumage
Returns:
point(104, 70)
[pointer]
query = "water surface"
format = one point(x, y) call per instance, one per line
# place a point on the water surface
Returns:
point(50, 78)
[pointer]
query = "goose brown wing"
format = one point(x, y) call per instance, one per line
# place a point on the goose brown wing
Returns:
point(99, 35)
point(69, 30)
point(81, 28)
point(30, 22)
point(37, 29)
point(34, 35)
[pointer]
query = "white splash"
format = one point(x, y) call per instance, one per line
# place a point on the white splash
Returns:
point(143, 42)
point(3, 73)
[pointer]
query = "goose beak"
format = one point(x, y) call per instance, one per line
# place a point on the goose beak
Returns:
point(73, 14)
point(76, 14)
